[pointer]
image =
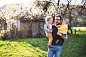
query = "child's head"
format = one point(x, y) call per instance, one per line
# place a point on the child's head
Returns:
point(65, 21)
point(49, 19)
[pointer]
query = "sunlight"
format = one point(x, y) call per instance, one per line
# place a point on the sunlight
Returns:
point(19, 49)
point(4, 2)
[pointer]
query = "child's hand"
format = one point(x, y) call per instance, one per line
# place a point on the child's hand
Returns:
point(59, 34)
point(56, 26)
point(48, 30)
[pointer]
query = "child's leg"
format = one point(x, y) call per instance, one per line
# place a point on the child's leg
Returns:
point(64, 35)
point(51, 38)
point(47, 34)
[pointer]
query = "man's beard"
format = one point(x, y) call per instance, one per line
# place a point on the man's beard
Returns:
point(58, 24)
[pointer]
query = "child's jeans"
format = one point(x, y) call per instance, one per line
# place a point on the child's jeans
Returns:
point(56, 50)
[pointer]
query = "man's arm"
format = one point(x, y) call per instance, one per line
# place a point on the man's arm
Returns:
point(62, 36)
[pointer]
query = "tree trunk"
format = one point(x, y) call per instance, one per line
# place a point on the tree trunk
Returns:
point(70, 20)
point(39, 28)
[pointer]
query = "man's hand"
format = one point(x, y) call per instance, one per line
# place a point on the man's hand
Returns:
point(48, 30)
point(47, 34)
point(62, 36)
point(59, 34)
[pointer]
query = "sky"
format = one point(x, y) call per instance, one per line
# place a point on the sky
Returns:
point(75, 2)
point(4, 2)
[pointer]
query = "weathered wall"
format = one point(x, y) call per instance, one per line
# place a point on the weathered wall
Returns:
point(32, 28)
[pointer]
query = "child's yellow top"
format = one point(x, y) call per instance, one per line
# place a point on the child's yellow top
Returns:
point(63, 29)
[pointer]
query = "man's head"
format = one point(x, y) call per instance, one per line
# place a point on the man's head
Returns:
point(58, 19)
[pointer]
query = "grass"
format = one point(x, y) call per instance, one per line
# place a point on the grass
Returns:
point(75, 49)
point(23, 47)
point(37, 47)
point(79, 30)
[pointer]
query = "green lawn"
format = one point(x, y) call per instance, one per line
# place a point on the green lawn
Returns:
point(37, 47)
point(80, 30)
point(76, 48)
point(23, 47)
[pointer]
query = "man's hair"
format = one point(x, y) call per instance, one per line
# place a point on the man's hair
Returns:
point(47, 19)
point(59, 16)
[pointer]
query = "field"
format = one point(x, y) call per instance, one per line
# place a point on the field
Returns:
point(75, 46)
point(79, 30)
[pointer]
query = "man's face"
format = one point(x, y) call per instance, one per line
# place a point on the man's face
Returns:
point(57, 20)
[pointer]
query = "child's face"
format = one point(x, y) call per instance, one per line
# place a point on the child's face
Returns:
point(63, 22)
point(50, 21)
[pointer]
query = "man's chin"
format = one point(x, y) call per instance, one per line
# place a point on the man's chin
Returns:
point(57, 24)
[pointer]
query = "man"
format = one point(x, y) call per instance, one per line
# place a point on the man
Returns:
point(56, 47)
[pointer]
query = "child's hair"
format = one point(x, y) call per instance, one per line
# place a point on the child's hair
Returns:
point(47, 19)
point(66, 20)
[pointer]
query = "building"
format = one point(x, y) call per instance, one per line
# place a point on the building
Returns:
point(26, 20)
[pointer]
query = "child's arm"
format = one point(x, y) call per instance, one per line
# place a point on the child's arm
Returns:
point(45, 28)
point(61, 27)
point(62, 36)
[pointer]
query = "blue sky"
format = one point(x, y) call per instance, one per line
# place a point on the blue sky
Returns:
point(3, 2)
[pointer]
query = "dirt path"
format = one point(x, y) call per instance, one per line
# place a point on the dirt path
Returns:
point(74, 40)
point(66, 44)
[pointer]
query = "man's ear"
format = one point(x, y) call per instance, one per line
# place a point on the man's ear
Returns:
point(61, 20)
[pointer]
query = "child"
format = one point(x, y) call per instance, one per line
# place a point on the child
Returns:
point(48, 29)
point(62, 29)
